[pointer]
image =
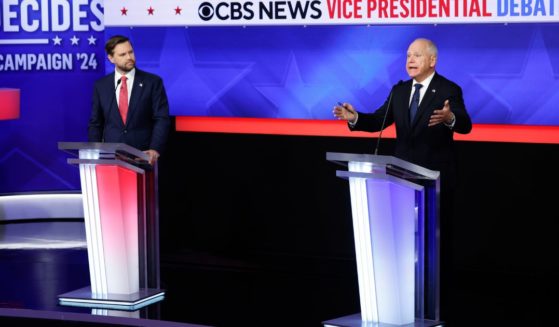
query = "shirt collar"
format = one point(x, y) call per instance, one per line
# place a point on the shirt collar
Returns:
point(425, 82)
point(130, 75)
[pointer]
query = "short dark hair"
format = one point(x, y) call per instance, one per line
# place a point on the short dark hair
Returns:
point(113, 42)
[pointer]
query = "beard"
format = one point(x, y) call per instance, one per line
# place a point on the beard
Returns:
point(128, 66)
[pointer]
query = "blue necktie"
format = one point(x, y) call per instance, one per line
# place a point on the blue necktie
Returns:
point(414, 102)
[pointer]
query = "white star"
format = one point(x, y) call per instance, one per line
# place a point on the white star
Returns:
point(57, 40)
point(74, 40)
point(91, 40)
point(293, 97)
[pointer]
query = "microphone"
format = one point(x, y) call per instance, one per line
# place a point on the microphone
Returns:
point(114, 97)
point(385, 114)
point(117, 83)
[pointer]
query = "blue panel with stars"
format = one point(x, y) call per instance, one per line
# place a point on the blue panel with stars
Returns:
point(53, 59)
point(509, 75)
point(508, 72)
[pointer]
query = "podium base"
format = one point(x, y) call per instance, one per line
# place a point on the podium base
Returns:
point(355, 321)
point(127, 302)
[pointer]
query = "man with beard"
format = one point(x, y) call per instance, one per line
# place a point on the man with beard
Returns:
point(129, 106)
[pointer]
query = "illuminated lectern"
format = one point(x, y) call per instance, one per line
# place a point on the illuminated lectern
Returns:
point(119, 190)
point(395, 209)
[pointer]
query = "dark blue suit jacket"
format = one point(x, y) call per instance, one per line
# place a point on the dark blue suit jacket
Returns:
point(430, 147)
point(147, 123)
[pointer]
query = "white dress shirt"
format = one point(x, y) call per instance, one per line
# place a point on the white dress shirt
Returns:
point(423, 89)
point(129, 83)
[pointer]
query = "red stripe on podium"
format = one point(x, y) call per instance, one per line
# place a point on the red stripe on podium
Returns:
point(118, 211)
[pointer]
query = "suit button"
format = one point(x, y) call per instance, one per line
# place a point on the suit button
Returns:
point(125, 131)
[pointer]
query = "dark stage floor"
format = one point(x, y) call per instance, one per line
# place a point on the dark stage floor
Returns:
point(201, 288)
point(215, 290)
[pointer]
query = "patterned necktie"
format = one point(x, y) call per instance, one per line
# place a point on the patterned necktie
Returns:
point(123, 99)
point(414, 102)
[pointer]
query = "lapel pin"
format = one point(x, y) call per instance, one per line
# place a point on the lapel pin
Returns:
point(141, 84)
point(433, 90)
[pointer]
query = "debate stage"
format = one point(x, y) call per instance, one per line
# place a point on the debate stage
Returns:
point(240, 263)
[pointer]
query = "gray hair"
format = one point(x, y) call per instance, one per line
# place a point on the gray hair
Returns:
point(431, 46)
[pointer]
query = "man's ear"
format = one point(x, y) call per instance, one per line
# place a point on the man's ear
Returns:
point(433, 61)
point(110, 58)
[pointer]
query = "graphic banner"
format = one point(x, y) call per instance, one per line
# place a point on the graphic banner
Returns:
point(51, 52)
point(326, 12)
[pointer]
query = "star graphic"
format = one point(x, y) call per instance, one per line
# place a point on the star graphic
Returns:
point(150, 10)
point(200, 87)
point(370, 68)
point(91, 40)
point(35, 166)
point(57, 40)
point(74, 40)
point(295, 98)
point(178, 10)
point(362, 68)
point(523, 104)
point(123, 11)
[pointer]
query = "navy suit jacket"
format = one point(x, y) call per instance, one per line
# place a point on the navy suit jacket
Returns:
point(430, 147)
point(147, 122)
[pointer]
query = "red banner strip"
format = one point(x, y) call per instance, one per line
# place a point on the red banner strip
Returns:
point(480, 132)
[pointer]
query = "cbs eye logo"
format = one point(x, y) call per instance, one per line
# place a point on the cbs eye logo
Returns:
point(206, 11)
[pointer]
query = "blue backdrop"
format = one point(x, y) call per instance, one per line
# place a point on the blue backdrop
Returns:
point(508, 74)
point(55, 77)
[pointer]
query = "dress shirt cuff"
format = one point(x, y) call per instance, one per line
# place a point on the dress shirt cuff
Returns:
point(452, 122)
point(355, 122)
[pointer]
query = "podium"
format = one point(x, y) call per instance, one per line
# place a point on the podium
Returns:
point(395, 209)
point(119, 190)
